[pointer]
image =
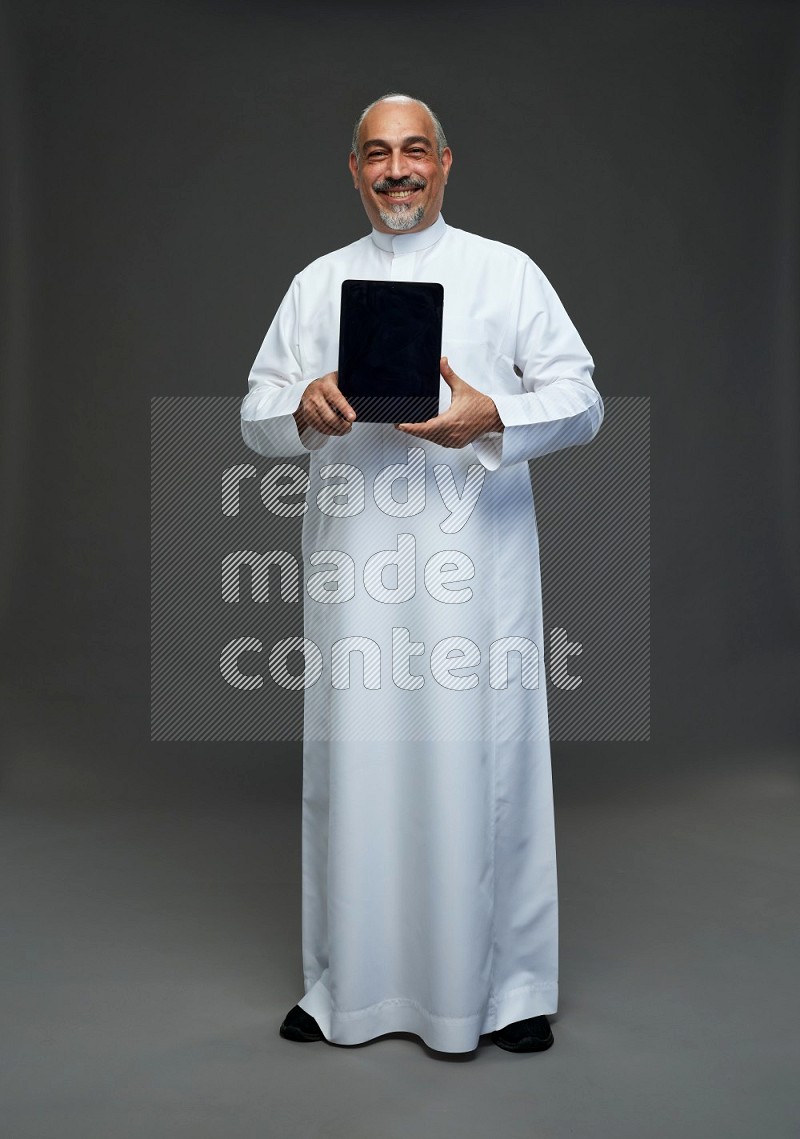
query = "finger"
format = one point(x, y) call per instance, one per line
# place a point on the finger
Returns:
point(338, 402)
point(327, 420)
point(446, 372)
point(330, 389)
point(431, 429)
point(424, 425)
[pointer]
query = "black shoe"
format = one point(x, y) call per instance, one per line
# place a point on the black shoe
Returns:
point(299, 1025)
point(531, 1035)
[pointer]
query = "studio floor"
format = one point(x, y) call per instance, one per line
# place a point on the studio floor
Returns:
point(151, 947)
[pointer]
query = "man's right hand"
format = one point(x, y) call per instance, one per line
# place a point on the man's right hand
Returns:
point(324, 408)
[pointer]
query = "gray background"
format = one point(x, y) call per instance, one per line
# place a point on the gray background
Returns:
point(167, 168)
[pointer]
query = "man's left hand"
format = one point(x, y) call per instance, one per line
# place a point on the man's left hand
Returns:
point(470, 414)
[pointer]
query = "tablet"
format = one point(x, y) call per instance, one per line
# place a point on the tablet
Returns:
point(390, 344)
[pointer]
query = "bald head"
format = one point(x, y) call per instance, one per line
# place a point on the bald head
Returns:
point(395, 97)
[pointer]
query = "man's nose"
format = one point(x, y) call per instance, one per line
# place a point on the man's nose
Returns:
point(398, 166)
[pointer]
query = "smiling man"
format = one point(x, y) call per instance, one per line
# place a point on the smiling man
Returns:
point(401, 176)
point(429, 873)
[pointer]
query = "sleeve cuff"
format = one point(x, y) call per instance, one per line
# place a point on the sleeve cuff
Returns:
point(489, 449)
point(268, 423)
point(278, 435)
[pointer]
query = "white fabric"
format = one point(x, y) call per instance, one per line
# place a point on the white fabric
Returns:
point(429, 868)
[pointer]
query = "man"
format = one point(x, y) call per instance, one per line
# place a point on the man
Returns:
point(429, 871)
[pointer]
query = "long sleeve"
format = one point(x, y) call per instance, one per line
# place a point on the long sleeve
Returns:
point(560, 406)
point(276, 386)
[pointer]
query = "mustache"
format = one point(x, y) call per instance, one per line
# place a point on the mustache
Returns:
point(410, 183)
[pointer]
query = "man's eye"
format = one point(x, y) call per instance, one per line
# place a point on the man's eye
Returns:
point(417, 151)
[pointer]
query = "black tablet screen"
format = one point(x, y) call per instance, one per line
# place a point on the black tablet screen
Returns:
point(390, 344)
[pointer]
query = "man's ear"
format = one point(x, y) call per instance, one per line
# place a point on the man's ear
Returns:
point(353, 168)
point(447, 161)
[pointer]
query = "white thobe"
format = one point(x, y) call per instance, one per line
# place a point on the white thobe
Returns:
point(429, 889)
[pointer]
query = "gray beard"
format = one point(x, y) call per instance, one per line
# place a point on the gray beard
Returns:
point(404, 219)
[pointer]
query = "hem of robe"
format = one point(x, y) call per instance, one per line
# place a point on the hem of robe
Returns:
point(441, 1033)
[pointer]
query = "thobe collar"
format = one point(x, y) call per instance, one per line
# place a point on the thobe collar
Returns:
point(410, 242)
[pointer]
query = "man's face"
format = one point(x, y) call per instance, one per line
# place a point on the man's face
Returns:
point(400, 176)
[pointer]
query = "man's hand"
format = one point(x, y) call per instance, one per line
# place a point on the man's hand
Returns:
point(470, 414)
point(324, 408)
